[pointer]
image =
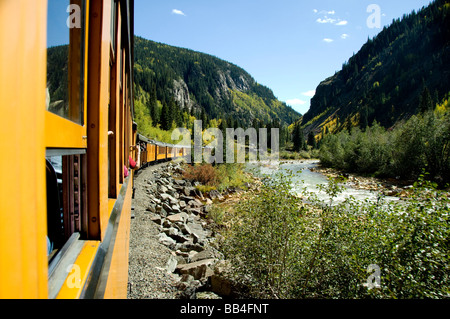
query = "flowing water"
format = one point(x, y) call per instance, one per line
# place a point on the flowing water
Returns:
point(304, 178)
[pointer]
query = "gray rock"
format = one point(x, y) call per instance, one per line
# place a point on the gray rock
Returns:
point(186, 198)
point(189, 191)
point(208, 253)
point(171, 264)
point(155, 200)
point(180, 217)
point(167, 208)
point(167, 241)
point(151, 208)
point(195, 211)
point(162, 189)
point(171, 232)
point(167, 197)
point(176, 209)
point(189, 246)
point(157, 220)
point(180, 182)
point(185, 229)
point(197, 269)
point(195, 203)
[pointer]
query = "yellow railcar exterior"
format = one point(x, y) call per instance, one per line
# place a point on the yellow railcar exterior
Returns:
point(161, 152)
point(151, 149)
point(94, 148)
point(23, 260)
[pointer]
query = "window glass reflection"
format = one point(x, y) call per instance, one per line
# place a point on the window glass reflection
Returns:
point(65, 59)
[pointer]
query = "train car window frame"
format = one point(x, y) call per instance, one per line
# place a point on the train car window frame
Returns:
point(114, 103)
point(113, 30)
point(67, 129)
point(66, 139)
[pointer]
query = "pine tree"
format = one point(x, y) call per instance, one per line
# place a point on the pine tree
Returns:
point(312, 140)
point(425, 102)
point(166, 118)
point(364, 118)
point(298, 138)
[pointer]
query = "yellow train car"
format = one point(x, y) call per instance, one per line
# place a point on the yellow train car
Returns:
point(151, 153)
point(170, 152)
point(161, 152)
point(67, 133)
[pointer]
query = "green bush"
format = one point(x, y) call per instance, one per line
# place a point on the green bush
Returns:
point(284, 249)
point(262, 242)
point(421, 142)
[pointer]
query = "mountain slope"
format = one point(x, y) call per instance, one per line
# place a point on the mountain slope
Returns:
point(203, 86)
point(386, 79)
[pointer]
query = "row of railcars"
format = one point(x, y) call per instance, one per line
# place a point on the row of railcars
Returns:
point(150, 152)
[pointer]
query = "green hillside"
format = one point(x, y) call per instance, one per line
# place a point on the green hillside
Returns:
point(392, 77)
point(174, 85)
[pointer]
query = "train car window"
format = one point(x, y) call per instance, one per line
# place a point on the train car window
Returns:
point(66, 193)
point(113, 117)
point(113, 25)
point(65, 59)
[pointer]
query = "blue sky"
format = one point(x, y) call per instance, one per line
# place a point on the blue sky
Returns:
point(288, 45)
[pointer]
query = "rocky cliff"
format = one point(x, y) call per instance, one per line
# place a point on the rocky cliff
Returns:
point(386, 80)
point(201, 83)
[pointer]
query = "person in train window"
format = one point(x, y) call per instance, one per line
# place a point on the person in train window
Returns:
point(138, 156)
point(132, 163)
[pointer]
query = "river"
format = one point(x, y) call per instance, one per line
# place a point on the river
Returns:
point(304, 177)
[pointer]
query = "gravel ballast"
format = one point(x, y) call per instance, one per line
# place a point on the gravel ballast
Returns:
point(147, 274)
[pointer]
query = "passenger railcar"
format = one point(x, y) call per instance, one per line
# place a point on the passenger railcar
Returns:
point(66, 98)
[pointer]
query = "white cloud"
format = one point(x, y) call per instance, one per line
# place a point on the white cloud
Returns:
point(309, 93)
point(295, 102)
point(178, 12)
point(343, 22)
point(326, 20)
point(345, 36)
point(328, 40)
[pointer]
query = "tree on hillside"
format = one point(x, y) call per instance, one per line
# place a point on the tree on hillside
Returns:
point(312, 140)
point(166, 118)
point(298, 138)
point(364, 118)
point(425, 102)
point(152, 106)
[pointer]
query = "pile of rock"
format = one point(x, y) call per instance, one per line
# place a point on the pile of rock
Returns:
point(180, 210)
